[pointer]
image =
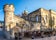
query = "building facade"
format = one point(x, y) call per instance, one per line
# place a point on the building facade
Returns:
point(36, 20)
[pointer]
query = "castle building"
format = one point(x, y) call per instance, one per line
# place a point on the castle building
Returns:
point(36, 20)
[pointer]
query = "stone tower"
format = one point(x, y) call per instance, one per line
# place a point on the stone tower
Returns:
point(24, 14)
point(8, 16)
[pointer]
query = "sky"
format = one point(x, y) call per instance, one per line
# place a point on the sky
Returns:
point(29, 5)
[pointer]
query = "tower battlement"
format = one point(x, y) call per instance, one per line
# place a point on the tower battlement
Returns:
point(9, 8)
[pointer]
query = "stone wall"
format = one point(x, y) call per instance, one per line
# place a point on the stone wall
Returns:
point(45, 18)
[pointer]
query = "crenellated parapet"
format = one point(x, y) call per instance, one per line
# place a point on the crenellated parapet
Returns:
point(9, 8)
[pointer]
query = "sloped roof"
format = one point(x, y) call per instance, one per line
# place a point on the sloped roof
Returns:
point(38, 10)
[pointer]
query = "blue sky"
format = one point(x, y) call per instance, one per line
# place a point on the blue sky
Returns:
point(29, 5)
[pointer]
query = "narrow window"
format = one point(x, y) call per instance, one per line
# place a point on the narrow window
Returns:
point(17, 24)
point(45, 18)
point(53, 18)
point(37, 18)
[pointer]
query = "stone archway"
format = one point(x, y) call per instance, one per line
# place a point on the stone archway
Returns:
point(16, 30)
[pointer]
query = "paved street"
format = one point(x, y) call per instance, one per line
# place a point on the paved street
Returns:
point(46, 38)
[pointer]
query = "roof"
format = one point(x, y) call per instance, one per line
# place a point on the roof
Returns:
point(34, 11)
point(37, 10)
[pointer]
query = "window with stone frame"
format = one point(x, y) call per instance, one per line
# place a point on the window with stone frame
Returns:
point(37, 18)
point(32, 19)
point(17, 24)
point(45, 18)
point(53, 18)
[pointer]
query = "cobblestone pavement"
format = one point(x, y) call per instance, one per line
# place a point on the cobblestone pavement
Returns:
point(46, 38)
point(2, 39)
